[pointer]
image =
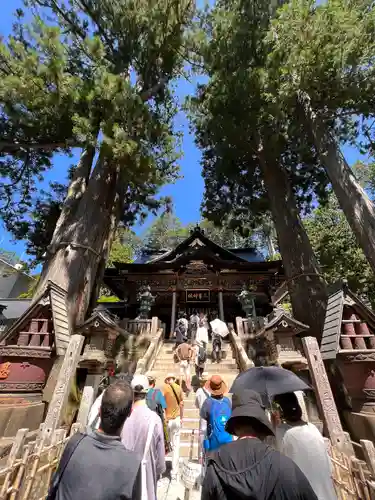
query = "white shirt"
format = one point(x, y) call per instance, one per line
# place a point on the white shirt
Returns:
point(304, 444)
point(202, 334)
point(185, 322)
point(94, 412)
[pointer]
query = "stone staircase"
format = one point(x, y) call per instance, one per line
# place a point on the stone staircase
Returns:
point(165, 364)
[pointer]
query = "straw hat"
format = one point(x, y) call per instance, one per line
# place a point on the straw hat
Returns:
point(216, 386)
point(170, 375)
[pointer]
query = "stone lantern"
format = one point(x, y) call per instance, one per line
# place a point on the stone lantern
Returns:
point(146, 301)
point(247, 300)
point(101, 331)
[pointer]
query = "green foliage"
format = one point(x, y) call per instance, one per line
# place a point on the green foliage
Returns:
point(327, 51)
point(258, 57)
point(109, 298)
point(236, 115)
point(337, 250)
point(276, 256)
point(365, 174)
point(30, 292)
point(165, 232)
point(87, 74)
point(124, 248)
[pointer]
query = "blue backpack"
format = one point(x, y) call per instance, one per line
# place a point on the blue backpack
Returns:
point(220, 413)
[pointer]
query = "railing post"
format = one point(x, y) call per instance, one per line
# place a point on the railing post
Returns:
point(239, 325)
point(154, 326)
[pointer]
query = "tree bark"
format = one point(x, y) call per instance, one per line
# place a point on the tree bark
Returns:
point(80, 248)
point(76, 189)
point(306, 286)
point(353, 200)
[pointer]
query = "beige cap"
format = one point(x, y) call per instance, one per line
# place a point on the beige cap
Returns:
point(140, 383)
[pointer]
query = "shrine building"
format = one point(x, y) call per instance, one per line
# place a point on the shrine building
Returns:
point(197, 275)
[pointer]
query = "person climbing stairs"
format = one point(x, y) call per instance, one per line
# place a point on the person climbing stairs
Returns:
point(165, 364)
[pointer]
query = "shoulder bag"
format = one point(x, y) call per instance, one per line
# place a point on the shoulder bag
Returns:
point(65, 459)
point(150, 433)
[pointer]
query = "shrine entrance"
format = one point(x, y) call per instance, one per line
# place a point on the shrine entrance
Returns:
point(197, 275)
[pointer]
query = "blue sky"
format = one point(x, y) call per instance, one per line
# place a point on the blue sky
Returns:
point(186, 193)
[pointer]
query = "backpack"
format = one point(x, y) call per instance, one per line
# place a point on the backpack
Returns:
point(155, 406)
point(220, 413)
point(202, 355)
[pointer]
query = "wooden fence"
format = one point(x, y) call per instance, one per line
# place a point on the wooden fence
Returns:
point(30, 465)
point(353, 478)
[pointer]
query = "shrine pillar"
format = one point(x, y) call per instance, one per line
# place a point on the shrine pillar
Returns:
point(173, 314)
point(221, 305)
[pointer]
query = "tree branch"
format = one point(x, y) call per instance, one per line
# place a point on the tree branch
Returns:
point(10, 147)
point(148, 94)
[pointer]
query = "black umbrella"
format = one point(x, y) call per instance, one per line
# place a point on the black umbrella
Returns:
point(268, 381)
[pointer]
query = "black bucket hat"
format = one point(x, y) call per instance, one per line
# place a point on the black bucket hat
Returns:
point(249, 404)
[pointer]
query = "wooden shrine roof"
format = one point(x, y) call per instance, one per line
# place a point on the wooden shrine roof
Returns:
point(279, 316)
point(54, 297)
point(339, 296)
point(199, 247)
point(198, 255)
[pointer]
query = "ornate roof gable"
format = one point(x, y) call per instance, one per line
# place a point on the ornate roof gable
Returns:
point(281, 321)
point(198, 241)
point(44, 325)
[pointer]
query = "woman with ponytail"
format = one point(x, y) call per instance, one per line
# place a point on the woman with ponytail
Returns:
point(302, 442)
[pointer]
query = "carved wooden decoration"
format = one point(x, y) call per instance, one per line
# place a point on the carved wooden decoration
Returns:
point(324, 394)
point(62, 389)
point(4, 370)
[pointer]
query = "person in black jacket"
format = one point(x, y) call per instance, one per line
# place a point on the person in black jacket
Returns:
point(247, 468)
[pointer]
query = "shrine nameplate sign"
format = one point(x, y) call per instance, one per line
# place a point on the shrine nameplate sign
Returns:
point(197, 295)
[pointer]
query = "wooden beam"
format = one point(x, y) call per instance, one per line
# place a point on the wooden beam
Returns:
point(369, 453)
point(324, 396)
point(88, 397)
point(63, 385)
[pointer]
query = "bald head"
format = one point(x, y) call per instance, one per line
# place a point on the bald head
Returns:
point(115, 408)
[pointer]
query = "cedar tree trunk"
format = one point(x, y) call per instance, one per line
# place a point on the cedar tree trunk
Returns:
point(353, 200)
point(83, 233)
point(308, 290)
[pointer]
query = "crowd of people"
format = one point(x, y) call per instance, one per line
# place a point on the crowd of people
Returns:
point(244, 453)
point(191, 342)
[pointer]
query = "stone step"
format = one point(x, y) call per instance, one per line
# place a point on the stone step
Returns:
point(190, 412)
point(170, 367)
point(169, 354)
point(185, 451)
point(191, 423)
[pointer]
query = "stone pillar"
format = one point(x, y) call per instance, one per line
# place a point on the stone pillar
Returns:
point(88, 396)
point(221, 305)
point(173, 314)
